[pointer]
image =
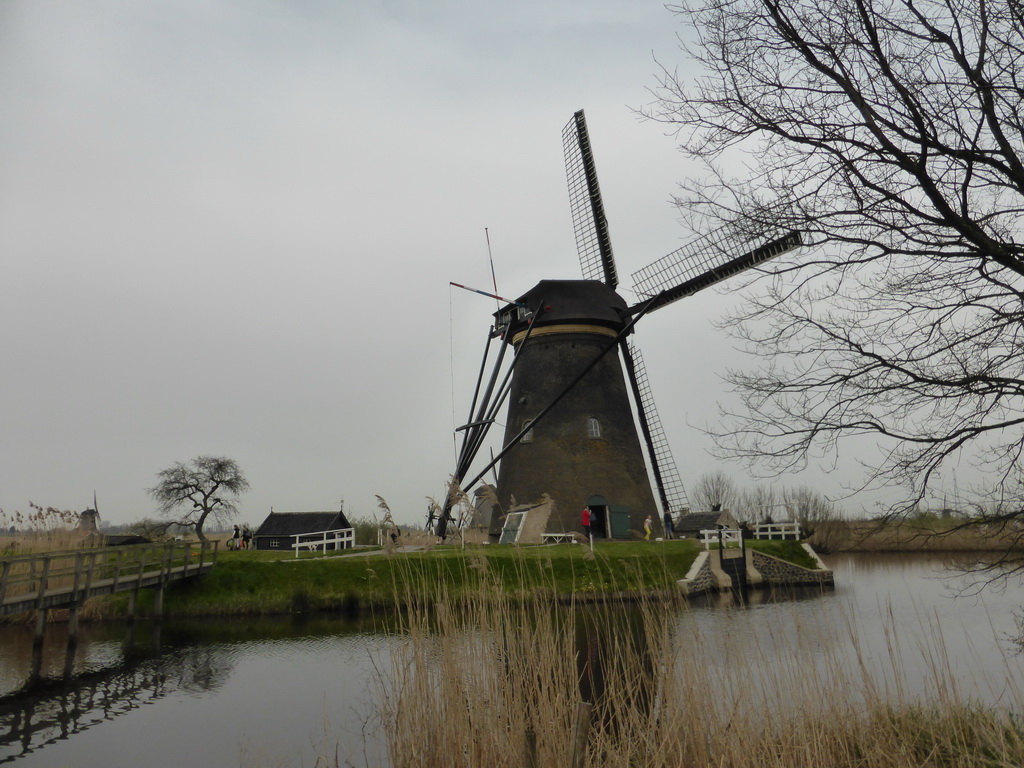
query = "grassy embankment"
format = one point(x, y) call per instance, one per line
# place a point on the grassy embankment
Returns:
point(273, 583)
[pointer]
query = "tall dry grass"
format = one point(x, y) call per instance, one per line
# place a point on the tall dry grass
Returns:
point(495, 682)
point(929, 535)
point(42, 529)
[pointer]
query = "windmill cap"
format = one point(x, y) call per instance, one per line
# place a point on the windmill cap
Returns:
point(564, 302)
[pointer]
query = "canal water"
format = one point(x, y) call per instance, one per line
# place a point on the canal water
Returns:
point(258, 692)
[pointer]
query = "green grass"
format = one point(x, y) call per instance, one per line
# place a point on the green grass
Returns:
point(791, 551)
point(253, 583)
point(270, 583)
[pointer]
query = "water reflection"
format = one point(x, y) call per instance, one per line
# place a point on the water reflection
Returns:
point(276, 688)
point(53, 710)
point(616, 664)
point(121, 669)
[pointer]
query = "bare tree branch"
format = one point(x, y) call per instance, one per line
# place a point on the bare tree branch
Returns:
point(191, 493)
point(891, 133)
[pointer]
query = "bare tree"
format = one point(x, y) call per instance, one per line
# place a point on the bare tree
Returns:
point(757, 504)
point(713, 490)
point(890, 133)
point(188, 494)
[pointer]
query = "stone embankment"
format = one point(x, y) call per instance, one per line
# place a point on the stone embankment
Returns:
point(763, 571)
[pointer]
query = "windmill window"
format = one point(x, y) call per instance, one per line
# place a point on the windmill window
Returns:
point(528, 437)
point(593, 428)
point(275, 543)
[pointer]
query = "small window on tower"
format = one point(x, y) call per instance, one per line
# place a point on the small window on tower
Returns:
point(528, 437)
point(593, 428)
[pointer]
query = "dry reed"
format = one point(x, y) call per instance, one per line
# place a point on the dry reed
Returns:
point(497, 682)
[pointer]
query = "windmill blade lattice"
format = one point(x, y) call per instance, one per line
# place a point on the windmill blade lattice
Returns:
point(588, 219)
point(706, 261)
point(671, 489)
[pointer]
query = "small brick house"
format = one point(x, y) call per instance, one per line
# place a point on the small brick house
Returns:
point(280, 528)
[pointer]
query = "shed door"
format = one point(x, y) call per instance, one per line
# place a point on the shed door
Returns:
point(620, 521)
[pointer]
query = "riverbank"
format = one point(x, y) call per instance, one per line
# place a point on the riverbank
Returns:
point(269, 583)
point(927, 534)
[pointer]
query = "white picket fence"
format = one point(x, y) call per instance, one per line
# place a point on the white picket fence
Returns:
point(789, 531)
point(728, 536)
point(339, 538)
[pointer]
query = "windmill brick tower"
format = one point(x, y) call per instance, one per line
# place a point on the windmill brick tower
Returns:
point(570, 429)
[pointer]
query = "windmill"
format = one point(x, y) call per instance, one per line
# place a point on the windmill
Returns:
point(570, 431)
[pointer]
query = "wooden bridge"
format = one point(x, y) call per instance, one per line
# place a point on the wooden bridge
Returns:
point(67, 579)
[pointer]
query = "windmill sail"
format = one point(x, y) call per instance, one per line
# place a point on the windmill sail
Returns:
point(666, 473)
point(704, 262)
point(588, 219)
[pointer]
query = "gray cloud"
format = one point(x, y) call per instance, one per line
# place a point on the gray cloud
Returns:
point(229, 228)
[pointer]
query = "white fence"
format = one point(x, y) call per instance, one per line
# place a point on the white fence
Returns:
point(789, 531)
point(729, 536)
point(339, 538)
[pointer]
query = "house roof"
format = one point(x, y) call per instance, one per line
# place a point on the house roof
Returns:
point(292, 523)
point(702, 521)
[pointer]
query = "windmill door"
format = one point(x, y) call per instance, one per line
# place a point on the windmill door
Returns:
point(619, 517)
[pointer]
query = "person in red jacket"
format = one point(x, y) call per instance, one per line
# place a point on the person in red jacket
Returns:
point(585, 515)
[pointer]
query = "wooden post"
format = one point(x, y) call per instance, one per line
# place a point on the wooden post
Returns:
point(580, 733)
point(79, 565)
point(117, 568)
point(529, 749)
point(4, 578)
point(88, 575)
point(42, 581)
point(133, 602)
point(37, 646)
point(69, 653)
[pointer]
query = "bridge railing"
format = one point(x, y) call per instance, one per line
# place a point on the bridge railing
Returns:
point(724, 535)
point(78, 570)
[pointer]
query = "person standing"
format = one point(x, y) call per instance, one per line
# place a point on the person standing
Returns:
point(668, 525)
point(647, 528)
point(246, 537)
point(234, 538)
point(585, 519)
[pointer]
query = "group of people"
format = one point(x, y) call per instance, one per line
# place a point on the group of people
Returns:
point(586, 517)
point(240, 539)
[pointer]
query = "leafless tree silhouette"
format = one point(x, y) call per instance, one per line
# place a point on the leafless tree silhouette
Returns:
point(890, 133)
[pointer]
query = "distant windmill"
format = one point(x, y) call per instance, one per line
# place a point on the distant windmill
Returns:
point(570, 431)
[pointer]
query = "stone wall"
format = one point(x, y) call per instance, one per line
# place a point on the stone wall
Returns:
point(700, 577)
point(777, 571)
point(762, 571)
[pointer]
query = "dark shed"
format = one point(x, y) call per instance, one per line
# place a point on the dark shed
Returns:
point(690, 525)
point(280, 528)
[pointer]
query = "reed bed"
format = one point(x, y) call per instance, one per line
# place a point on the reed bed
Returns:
point(500, 682)
point(910, 536)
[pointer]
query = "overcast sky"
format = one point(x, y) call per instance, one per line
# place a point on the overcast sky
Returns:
point(228, 227)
